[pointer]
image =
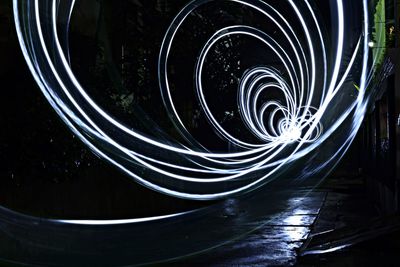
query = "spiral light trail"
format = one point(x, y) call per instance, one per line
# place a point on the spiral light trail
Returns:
point(285, 130)
point(295, 113)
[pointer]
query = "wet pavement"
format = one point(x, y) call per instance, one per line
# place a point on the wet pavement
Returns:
point(273, 244)
point(337, 203)
point(349, 217)
point(246, 232)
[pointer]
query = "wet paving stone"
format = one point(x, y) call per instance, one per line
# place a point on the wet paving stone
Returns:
point(275, 243)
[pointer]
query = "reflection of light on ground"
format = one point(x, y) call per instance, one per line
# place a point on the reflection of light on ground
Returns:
point(295, 234)
point(298, 220)
point(293, 226)
point(296, 223)
point(294, 220)
point(277, 242)
point(295, 200)
point(303, 211)
point(297, 229)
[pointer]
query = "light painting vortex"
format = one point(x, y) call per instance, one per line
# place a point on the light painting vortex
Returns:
point(299, 84)
point(314, 84)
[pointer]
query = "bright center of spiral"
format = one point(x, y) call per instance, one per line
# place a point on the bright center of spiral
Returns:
point(291, 134)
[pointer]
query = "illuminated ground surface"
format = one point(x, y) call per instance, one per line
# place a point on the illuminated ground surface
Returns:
point(338, 203)
point(274, 244)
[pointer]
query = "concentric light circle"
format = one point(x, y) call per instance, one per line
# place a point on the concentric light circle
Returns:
point(313, 77)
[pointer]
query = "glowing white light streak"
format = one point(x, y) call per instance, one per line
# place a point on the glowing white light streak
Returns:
point(285, 130)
